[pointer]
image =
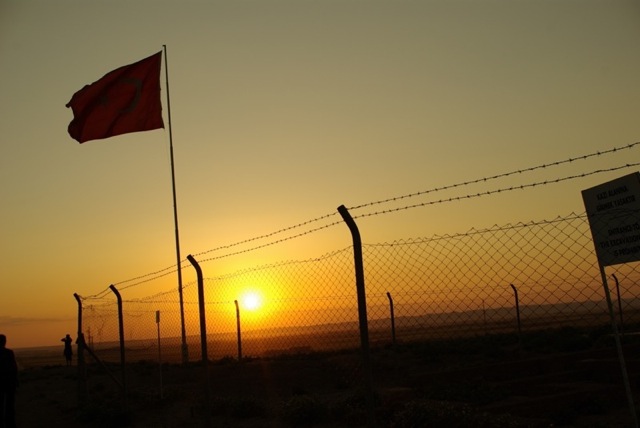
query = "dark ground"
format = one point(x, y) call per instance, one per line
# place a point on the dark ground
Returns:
point(556, 378)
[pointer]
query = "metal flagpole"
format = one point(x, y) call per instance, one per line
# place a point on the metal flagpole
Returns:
point(185, 350)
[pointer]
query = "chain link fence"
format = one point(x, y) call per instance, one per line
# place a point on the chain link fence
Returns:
point(525, 276)
point(293, 292)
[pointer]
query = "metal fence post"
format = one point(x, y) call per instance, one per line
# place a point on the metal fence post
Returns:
point(619, 304)
point(393, 320)
point(515, 292)
point(203, 336)
point(121, 334)
point(616, 337)
point(239, 331)
point(82, 378)
point(362, 312)
point(159, 353)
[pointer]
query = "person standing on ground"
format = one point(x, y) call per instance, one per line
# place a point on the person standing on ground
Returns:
point(68, 351)
point(8, 384)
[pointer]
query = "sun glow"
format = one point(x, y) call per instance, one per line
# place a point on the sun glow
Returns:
point(251, 300)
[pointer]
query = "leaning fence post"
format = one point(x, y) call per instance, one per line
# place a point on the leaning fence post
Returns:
point(203, 335)
point(159, 353)
point(619, 304)
point(82, 379)
point(515, 292)
point(121, 333)
point(362, 310)
point(239, 331)
point(393, 320)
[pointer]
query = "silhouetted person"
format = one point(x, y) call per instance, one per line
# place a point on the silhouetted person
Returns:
point(8, 384)
point(68, 351)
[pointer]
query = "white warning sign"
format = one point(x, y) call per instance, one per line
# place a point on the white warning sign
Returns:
point(613, 209)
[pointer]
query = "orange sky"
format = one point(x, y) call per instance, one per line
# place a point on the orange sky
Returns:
point(283, 110)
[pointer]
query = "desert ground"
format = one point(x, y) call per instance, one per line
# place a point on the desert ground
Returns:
point(554, 378)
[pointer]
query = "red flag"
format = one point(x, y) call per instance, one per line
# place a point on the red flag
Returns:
point(124, 100)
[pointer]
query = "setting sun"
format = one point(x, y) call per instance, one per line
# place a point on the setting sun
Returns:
point(251, 300)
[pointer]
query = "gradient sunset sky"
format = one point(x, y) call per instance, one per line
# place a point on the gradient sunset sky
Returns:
point(282, 110)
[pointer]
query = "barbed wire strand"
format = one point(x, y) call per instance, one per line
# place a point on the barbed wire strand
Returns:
point(382, 212)
point(414, 241)
point(171, 269)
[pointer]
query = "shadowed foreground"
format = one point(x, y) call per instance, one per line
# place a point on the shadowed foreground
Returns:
point(559, 378)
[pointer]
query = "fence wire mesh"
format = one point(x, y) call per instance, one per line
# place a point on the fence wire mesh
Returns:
point(448, 286)
point(502, 279)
